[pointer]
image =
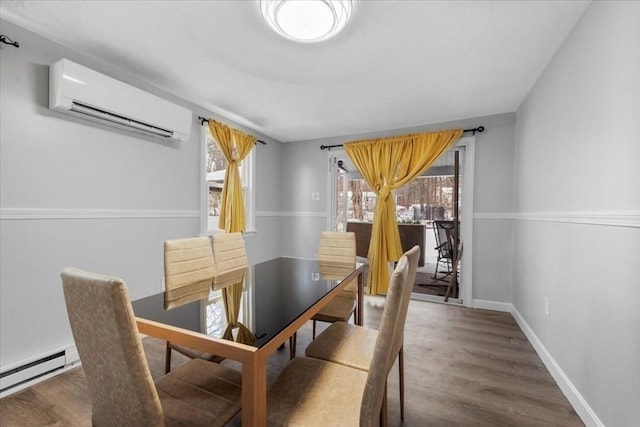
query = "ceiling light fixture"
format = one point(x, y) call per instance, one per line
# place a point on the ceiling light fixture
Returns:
point(306, 21)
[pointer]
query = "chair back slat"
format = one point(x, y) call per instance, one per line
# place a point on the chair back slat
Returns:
point(188, 269)
point(106, 336)
point(229, 252)
point(338, 248)
point(230, 257)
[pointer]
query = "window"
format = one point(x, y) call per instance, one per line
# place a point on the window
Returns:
point(423, 200)
point(215, 166)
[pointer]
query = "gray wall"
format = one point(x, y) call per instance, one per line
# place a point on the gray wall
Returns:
point(578, 160)
point(493, 198)
point(74, 193)
point(265, 244)
point(305, 170)
point(78, 194)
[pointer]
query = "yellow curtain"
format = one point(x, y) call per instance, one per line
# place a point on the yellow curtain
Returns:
point(231, 296)
point(387, 164)
point(235, 145)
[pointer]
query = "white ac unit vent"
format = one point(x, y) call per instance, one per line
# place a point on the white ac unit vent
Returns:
point(82, 92)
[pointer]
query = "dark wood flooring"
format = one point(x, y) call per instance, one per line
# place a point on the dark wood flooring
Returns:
point(463, 367)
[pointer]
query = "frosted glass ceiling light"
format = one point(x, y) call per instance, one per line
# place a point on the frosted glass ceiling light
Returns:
point(306, 21)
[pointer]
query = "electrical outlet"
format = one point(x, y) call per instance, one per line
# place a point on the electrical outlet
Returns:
point(315, 195)
point(547, 306)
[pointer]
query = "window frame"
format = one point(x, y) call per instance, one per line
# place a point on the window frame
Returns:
point(248, 187)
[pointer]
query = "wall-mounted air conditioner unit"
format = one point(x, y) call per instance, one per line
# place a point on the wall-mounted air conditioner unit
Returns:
point(82, 92)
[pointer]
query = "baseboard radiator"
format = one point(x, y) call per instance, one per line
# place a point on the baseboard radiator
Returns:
point(30, 371)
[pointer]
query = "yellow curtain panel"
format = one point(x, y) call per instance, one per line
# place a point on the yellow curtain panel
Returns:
point(387, 164)
point(235, 145)
point(231, 297)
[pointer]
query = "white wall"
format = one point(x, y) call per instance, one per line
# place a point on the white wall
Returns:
point(578, 160)
point(305, 170)
point(73, 193)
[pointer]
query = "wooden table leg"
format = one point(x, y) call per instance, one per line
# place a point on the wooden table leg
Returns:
point(254, 391)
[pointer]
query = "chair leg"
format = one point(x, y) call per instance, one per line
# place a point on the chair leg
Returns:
point(401, 374)
point(293, 342)
point(167, 359)
point(435, 273)
point(314, 329)
point(383, 409)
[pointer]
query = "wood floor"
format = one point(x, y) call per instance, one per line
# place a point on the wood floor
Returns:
point(463, 367)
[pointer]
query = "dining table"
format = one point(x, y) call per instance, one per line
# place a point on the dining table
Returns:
point(278, 297)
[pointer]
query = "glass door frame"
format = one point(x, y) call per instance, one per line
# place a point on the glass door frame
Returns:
point(467, 145)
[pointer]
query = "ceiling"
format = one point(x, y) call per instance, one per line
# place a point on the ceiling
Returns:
point(397, 64)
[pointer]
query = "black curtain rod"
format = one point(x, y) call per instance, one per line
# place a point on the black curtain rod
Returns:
point(6, 40)
point(479, 129)
point(203, 120)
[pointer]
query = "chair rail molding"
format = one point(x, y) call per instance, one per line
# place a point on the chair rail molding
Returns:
point(81, 213)
point(291, 213)
point(629, 218)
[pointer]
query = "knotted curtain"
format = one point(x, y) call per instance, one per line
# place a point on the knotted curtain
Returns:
point(235, 146)
point(387, 164)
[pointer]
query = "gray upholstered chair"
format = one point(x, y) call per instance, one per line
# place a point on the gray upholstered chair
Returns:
point(198, 393)
point(314, 392)
point(354, 346)
point(335, 248)
point(188, 274)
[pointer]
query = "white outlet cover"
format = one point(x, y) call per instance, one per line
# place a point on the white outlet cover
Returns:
point(547, 306)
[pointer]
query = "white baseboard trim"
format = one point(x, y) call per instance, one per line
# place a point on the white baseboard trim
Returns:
point(506, 307)
point(576, 400)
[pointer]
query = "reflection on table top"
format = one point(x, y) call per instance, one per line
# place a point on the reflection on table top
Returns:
point(275, 294)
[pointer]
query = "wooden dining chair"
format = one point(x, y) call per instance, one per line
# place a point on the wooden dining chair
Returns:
point(335, 248)
point(354, 346)
point(313, 392)
point(198, 393)
point(188, 274)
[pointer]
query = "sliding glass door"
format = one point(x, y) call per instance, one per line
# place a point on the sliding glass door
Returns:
point(434, 210)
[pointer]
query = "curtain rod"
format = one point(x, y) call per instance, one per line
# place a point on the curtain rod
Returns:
point(478, 129)
point(6, 40)
point(203, 120)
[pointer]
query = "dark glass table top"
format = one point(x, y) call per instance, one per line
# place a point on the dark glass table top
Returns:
point(275, 294)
